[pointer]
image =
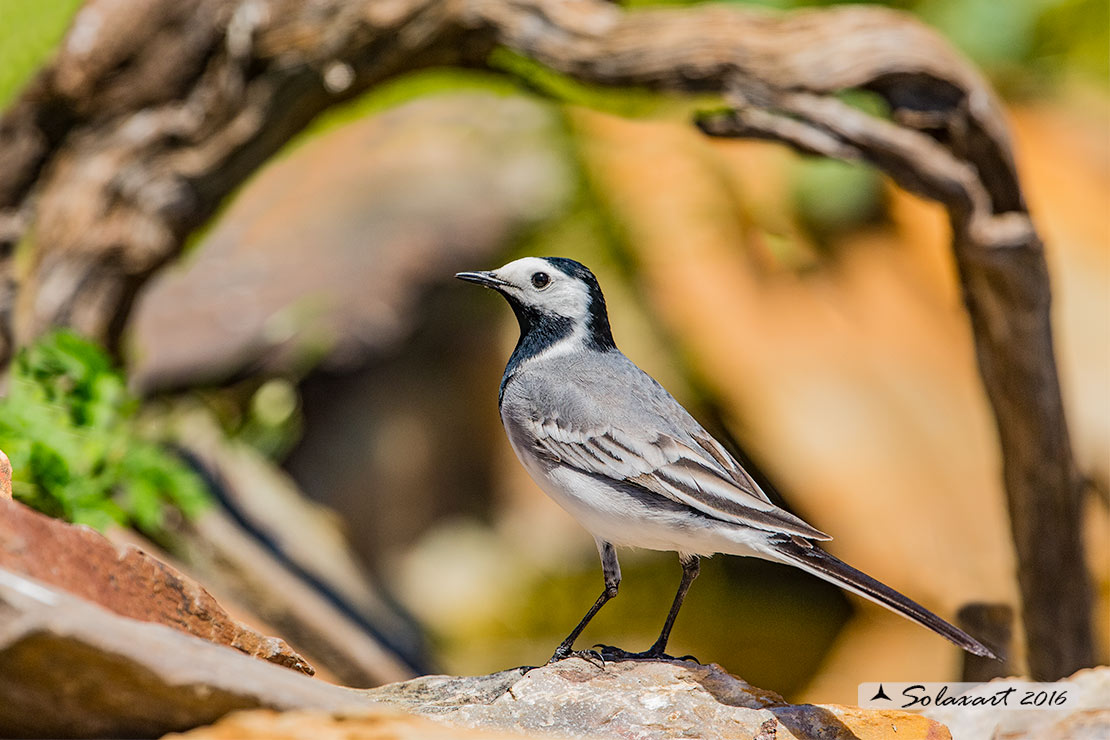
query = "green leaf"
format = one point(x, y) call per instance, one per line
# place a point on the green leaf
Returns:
point(69, 428)
point(99, 515)
point(107, 401)
point(187, 491)
point(48, 468)
point(143, 501)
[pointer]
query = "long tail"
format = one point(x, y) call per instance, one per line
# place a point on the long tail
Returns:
point(809, 557)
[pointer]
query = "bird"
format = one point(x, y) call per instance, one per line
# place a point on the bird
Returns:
point(614, 449)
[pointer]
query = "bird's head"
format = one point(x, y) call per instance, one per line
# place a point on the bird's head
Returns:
point(555, 296)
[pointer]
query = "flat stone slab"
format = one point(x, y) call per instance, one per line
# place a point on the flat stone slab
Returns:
point(125, 580)
point(647, 700)
point(70, 668)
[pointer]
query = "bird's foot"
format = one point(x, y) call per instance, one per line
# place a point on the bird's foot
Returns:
point(600, 654)
point(611, 653)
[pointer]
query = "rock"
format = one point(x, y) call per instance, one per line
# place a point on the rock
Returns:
point(382, 724)
point(325, 253)
point(69, 668)
point(125, 580)
point(648, 700)
point(287, 560)
point(281, 596)
point(1089, 721)
point(5, 477)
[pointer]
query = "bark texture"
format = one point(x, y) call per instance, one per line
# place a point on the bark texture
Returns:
point(154, 111)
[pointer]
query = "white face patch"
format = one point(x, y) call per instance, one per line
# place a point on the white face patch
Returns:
point(562, 294)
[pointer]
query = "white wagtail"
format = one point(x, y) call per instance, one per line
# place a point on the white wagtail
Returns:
point(613, 448)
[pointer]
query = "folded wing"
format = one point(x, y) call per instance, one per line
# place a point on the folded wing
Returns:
point(695, 471)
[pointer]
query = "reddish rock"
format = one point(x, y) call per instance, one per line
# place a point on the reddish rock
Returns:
point(5, 477)
point(70, 668)
point(125, 580)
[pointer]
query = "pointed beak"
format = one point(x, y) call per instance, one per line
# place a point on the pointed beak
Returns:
point(488, 279)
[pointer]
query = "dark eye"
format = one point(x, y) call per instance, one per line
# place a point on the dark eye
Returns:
point(540, 280)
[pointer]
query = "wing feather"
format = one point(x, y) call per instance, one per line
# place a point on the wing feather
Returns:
point(699, 474)
point(728, 462)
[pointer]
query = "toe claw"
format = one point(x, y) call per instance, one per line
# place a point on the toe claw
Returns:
point(592, 656)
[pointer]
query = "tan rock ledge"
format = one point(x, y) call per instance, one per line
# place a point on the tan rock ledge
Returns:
point(647, 700)
point(70, 668)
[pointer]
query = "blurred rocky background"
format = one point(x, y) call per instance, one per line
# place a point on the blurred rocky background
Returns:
point(310, 357)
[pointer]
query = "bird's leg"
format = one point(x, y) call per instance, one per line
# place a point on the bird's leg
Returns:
point(612, 572)
point(691, 565)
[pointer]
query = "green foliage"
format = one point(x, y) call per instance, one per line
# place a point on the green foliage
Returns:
point(29, 31)
point(1075, 35)
point(69, 427)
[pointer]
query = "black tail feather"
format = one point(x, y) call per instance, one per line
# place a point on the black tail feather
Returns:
point(811, 558)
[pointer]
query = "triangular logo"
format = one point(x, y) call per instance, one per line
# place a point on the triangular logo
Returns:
point(880, 694)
